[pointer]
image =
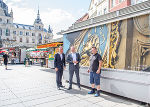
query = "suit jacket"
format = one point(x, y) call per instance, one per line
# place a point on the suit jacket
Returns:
point(58, 63)
point(70, 60)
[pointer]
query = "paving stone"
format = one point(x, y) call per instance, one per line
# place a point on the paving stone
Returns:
point(46, 99)
point(15, 105)
point(81, 103)
point(9, 102)
point(35, 86)
point(60, 102)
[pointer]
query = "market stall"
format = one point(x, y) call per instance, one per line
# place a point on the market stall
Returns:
point(52, 48)
point(37, 56)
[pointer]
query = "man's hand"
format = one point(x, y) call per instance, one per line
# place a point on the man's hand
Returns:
point(88, 70)
point(56, 69)
point(98, 71)
point(76, 62)
point(64, 67)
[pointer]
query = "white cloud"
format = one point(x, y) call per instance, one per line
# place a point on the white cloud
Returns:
point(16, 0)
point(23, 15)
point(5, 1)
point(58, 19)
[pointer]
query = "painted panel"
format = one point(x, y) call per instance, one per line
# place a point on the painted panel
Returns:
point(123, 45)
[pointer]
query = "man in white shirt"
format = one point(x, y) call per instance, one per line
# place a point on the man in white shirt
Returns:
point(73, 59)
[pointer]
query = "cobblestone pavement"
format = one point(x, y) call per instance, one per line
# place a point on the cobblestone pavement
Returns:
point(22, 86)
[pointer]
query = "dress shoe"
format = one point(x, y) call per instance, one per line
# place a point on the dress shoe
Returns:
point(62, 86)
point(58, 88)
point(69, 88)
point(79, 88)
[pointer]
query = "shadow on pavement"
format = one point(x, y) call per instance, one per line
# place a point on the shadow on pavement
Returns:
point(9, 69)
point(48, 70)
point(76, 91)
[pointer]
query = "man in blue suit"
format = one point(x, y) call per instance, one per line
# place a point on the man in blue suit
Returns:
point(73, 59)
point(60, 65)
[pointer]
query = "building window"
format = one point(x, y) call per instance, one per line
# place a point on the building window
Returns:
point(7, 32)
point(21, 33)
point(33, 34)
point(121, 1)
point(98, 13)
point(0, 19)
point(7, 21)
point(27, 33)
point(27, 40)
point(14, 38)
point(0, 32)
point(33, 40)
point(14, 32)
point(40, 27)
point(105, 11)
point(112, 3)
point(20, 39)
point(40, 38)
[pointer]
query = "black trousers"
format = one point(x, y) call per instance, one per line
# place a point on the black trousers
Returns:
point(71, 73)
point(59, 74)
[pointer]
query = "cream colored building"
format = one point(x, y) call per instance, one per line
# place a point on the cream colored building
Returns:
point(14, 34)
point(98, 7)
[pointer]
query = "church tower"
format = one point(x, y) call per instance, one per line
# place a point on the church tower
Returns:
point(38, 22)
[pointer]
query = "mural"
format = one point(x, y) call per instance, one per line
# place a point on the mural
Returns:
point(115, 39)
point(84, 40)
point(123, 45)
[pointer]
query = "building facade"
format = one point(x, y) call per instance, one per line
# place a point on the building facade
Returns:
point(101, 7)
point(119, 4)
point(16, 35)
point(98, 7)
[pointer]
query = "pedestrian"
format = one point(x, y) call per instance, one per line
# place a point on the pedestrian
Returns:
point(5, 59)
point(95, 71)
point(26, 61)
point(73, 59)
point(60, 65)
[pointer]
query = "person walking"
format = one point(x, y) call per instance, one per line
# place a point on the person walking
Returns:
point(5, 59)
point(95, 71)
point(60, 65)
point(73, 59)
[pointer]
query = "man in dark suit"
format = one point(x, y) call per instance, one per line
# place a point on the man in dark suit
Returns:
point(73, 59)
point(59, 64)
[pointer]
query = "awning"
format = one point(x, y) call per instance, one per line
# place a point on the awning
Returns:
point(31, 49)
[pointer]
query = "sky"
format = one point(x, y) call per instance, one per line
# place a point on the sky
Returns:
point(59, 14)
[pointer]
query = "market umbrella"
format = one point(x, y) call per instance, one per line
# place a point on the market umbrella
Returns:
point(31, 49)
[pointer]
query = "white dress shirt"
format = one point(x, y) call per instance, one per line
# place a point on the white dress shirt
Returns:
point(61, 56)
point(74, 57)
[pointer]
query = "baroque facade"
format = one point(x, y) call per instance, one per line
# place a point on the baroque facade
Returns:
point(21, 35)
